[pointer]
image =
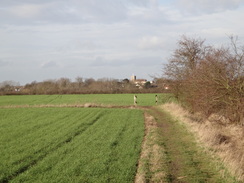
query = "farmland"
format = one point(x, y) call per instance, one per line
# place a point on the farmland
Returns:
point(57, 138)
point(107, 99)
point(69, 144)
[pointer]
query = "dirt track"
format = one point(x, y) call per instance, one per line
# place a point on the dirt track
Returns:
point(156, 168)
point(171, 154)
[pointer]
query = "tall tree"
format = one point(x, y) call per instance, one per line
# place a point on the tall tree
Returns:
point(184, 61)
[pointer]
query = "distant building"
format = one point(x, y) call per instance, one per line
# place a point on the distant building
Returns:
point(138, 82)
point(133, 78)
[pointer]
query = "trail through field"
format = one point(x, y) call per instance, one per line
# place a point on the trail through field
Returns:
point(171, 154)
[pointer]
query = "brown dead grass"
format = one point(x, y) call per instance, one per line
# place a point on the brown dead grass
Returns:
point(151, 162)
point(225, 142)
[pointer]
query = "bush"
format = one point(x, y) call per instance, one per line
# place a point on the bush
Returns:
point(207, 79)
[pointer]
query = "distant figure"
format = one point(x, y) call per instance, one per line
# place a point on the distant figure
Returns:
point(135, 99)
point(156, 99)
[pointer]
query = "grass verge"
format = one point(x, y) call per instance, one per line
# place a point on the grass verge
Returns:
point(223, 142)
point(186, 161)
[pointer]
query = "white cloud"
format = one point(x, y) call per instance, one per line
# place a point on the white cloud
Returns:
point(50, 64)
point(26, 10)
point(4, 63)
point(151, 43)
point(207, 6)
point(74, 11)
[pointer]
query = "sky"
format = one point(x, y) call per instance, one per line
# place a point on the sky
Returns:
point(52, 39)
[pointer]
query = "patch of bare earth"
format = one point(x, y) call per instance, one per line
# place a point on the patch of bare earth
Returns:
point(151, 163)
point(223, 141)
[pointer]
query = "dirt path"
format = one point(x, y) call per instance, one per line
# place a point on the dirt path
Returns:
point(151, 166)
point(175, 161)
point(170, 153)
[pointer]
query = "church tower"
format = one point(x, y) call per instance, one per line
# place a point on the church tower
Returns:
point(133, 78)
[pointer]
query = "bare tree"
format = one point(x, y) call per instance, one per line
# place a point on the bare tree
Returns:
point(184, 61)
point(79, 80)
point(219, 85)
point(209, 80)
point(7, 87)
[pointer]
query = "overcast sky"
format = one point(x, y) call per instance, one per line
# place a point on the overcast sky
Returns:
point(50, 39)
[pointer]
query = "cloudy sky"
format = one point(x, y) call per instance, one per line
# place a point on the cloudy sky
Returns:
point(50, 39)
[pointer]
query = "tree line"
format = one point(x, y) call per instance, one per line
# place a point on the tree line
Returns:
point(208, 79)
point(81, 86)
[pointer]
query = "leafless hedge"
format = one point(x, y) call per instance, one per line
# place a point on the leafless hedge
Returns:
point(207, 79)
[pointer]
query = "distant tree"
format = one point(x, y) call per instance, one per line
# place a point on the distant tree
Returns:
point(63, 82)
point(6, 87)
point(147, 85)
point(78, 85)
point(126, 81)
point(9, 83)
point(79, 81)
point(89, 81)
point(64, 85)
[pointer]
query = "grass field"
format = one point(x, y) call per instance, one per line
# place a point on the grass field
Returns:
point(69, 144)
point(54, 138)
point(107, 99)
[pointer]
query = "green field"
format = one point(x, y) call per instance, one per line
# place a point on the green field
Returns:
point(50, 144)
point(68, 144)
point(107, 99)
point(55, 138)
